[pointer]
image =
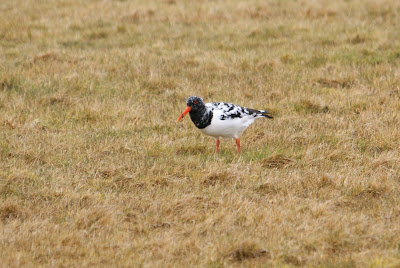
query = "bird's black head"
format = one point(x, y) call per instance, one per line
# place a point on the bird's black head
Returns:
point(196, 103)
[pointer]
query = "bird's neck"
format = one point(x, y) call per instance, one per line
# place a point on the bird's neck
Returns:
point(201, 118)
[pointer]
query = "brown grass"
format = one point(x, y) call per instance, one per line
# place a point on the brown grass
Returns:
point(95, 171)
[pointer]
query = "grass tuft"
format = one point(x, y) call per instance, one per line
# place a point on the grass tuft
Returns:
point(247, 250)
point(10, 211)
point(277, 161)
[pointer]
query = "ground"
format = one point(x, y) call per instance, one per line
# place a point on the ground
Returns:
point(95, 170)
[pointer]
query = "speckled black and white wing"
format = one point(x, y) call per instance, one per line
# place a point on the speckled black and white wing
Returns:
point(230, 120)
point(232, 111)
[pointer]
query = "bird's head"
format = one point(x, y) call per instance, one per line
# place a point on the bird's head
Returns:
point(196, 103)
point(193, 104)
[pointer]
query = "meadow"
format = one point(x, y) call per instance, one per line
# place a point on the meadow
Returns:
point(95, 171)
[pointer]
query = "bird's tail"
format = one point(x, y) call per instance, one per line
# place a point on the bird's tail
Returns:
point(259, 113)
point(266, 114)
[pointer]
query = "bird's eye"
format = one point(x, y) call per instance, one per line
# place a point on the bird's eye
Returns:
point(195, 102)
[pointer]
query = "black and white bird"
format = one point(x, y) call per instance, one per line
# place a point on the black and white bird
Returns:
point(220, 119)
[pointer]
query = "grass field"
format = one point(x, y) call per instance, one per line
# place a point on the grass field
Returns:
point(95, 170)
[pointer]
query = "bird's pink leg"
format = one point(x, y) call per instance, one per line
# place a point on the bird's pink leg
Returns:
point(217, 146)
point(238, 144)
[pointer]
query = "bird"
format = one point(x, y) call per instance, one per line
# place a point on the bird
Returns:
point(221, 119)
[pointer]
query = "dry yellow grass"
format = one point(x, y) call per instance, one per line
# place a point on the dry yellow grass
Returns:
point(95, 171)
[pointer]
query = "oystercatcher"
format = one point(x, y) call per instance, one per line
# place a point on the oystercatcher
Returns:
point(220, 119)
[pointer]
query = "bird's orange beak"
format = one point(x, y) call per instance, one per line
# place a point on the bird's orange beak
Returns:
point(184, 113)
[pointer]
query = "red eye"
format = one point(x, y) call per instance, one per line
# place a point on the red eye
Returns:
point(195, 102)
